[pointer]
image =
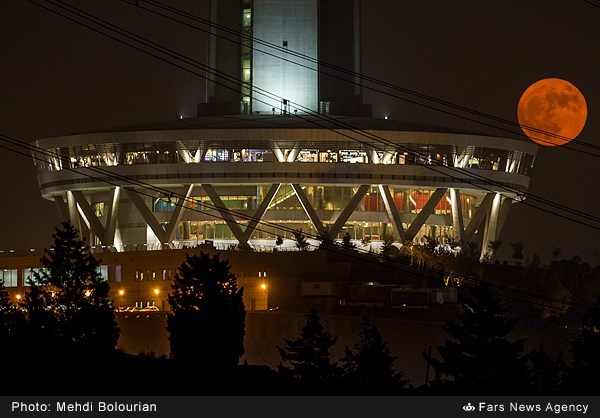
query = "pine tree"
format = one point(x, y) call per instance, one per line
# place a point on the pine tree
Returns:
point(478, 359)
point(370, 363)
point(307, 358)
point(68, 303)
point(206, 327)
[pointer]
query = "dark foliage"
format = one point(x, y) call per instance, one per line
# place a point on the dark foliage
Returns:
point(206, 326)
point(306, 359)
point(370, 363)
point(67, 306)
point(301, 242)
point(478, 359)
point(545, 373)
point(582, 376)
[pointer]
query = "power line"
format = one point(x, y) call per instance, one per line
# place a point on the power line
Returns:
point(396, 262)
point(353, 74)
point(370, 135)
point(78, 171)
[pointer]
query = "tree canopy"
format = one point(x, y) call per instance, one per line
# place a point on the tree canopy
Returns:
point(370, 362)
point(478, 359)
point(68, 300)
point(307, 359)
point(206, 324)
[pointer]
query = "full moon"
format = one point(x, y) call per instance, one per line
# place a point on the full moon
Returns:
point(552, 112)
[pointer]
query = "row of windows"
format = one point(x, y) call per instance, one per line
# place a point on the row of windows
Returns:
point(415, 154)
point(141, 276)
point(325, 198)
point(191, 231)
point(10, 276)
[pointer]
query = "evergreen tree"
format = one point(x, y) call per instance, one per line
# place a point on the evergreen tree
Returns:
point(370, 363)
point(67, 304)
point(206, 327)
point(307, 358)
point(478, 359)
point(582, 376)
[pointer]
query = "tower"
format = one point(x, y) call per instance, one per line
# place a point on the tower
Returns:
point(284, 56)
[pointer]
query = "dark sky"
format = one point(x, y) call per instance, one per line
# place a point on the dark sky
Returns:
point(57, 78)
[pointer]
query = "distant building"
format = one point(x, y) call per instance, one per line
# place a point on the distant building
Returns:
point(283, 143)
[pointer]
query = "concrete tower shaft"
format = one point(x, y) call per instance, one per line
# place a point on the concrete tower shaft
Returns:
point(285, 56)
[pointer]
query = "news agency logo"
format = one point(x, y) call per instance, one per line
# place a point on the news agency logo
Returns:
point(468, 407)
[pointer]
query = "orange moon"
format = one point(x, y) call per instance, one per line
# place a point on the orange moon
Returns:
point(552, 112)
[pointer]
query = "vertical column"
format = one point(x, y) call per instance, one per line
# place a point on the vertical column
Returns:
point(491, 226)
point(457, 216)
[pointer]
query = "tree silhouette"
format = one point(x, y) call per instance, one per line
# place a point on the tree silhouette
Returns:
point(370, 363)
point(517, 248)
point(301, 242)
point(206, 327)
point(67, 302)
point(307, 357)
point(582, 376)
point(347, 243)
point(478, 359)
point(279, 241)
point(546, 373)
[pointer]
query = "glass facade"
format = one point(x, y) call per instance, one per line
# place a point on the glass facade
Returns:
point(184, 152)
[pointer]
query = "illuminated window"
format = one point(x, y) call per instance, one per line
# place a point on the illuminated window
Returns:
point(103, 272)
point(9, 276)
point(246, 18)
point(29, 275)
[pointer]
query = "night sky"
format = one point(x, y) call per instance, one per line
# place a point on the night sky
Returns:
point(59, 78)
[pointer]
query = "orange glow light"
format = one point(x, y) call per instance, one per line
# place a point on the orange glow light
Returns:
point(552, 112)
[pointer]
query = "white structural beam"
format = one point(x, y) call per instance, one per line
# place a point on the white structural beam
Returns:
point(458, 226)
point(503, 215)
point(293, 154)
point(427, 210)
point(90, 217)
point(73, 211)
point(309, 210)
point(110, 227)
point(392, 213)
point(224, 212)
point(278, 153)
point(491, 226)
point(348, 210)
point(176, 216)
point(260, 212)
point(63, 208)
point(478, 217)
point(146, 213)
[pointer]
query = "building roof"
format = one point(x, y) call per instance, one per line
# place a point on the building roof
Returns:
point(285, 121)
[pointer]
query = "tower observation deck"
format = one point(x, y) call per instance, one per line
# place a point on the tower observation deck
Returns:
point(283, 142)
